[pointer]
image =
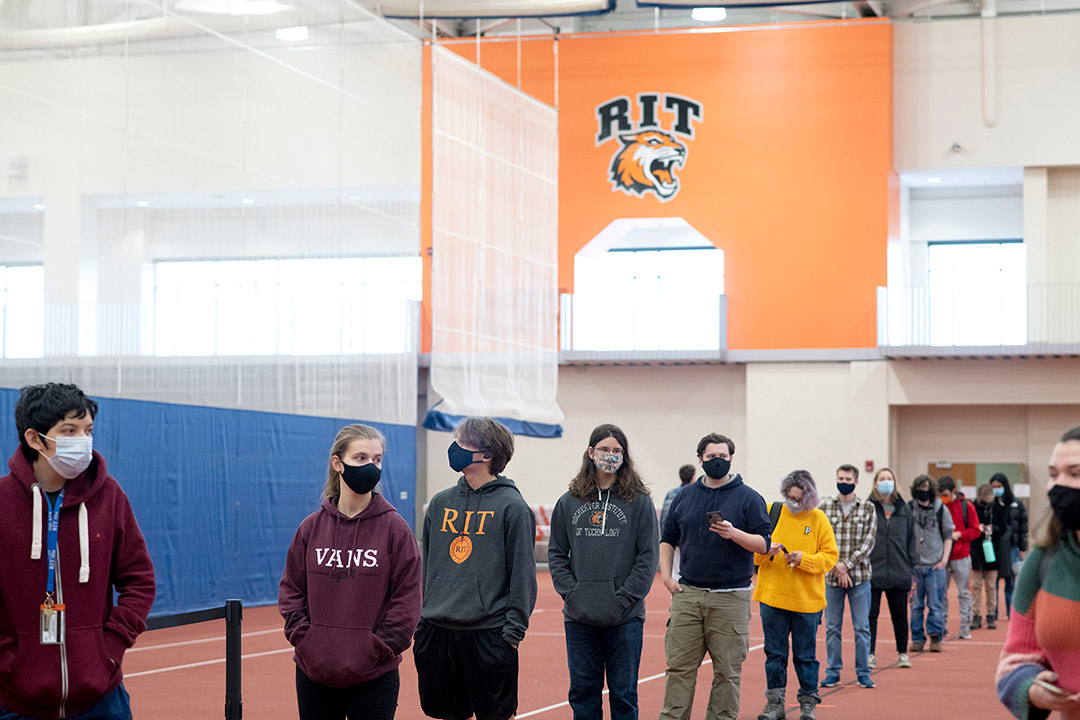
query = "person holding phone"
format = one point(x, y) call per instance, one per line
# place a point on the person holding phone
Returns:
point(791, 590)
point(603, 559)
point(1039, 669)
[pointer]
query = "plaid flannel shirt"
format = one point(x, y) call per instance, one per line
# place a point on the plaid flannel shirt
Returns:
point(855, 535)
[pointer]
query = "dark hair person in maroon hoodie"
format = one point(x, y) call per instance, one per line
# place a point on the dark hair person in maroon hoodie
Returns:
point(350, 593)
point(69, 538)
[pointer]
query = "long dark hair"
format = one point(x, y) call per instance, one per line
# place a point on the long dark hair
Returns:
point(1008, 496)
point(627, 481)
point(1054, 532)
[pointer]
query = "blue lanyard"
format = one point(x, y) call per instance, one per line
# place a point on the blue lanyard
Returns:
point(53, 538)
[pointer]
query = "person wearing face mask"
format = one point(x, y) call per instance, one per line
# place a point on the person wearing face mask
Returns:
point(350, 592)
point(933, 540)
point(1039, 669)
point(791, 590)
point(854, 524)
point(983, 564)
point(1014, 538)
point(69, 539)
point(966, 521)
point(717, 523)
point(479, 581)
point(603, 559)
point(892, 562)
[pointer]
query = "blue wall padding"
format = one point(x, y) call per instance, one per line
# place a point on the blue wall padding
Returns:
point(219, 493)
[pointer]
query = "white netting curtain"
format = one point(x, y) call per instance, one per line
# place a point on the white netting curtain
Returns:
point(225, 209)
point(494, 286)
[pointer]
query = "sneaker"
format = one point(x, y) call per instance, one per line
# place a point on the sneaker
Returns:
point(903, 661)
point(871, 662)
point(935, 643)
point(830, 681)
point(807, 709)
point(991, 623)
point(866, 682)
point(774, 708)
point(917, 646)
point(964, 636)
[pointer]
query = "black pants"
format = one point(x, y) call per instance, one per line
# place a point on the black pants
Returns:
point(898, 610)
point(374, 700)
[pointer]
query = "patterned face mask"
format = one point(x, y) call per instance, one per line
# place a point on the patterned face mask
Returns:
point(607, 462)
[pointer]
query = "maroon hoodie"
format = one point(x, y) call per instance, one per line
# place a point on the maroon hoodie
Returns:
point(54, 681)
point(350, 593)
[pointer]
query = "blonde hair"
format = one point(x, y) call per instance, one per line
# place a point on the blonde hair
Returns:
point(341, 443)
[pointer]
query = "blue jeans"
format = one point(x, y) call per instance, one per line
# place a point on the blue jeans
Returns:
point(802, 627)
point(592, 650)
point(929, 591)
point(116, 705)
point(859, 598)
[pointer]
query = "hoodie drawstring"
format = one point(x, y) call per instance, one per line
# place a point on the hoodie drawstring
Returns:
point(35, 541)
point(84, 535)
point(603, 522)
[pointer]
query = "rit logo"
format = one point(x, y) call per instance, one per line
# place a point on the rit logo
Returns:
point(613, 117)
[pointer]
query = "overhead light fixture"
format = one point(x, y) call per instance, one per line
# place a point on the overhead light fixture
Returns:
point(933, 180)
point(230, 7)
point(292, 34)
point(39, 206)
point(248, 201)
point(709, 14)
point(142, 203)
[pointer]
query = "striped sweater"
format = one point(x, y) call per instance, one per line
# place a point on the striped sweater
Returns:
point(1044, 632)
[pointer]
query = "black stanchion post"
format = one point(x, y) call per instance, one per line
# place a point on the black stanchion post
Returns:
point(234, 610)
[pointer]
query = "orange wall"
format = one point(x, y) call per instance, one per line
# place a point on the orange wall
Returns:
point(788, 172)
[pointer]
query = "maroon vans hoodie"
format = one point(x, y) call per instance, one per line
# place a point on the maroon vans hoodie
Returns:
point(350, 593)
point(100, 548)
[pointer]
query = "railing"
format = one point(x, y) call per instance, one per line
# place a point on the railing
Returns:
point(1038, 317)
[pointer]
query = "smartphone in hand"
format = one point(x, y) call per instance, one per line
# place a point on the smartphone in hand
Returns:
point(1050, 687)
point(714, 516)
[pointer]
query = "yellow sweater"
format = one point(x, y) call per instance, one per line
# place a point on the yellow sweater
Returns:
point(802, 588)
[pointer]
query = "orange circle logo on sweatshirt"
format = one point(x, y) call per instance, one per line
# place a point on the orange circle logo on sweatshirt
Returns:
point(460, 549)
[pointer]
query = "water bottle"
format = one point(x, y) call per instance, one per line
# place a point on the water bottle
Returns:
point(988, 549)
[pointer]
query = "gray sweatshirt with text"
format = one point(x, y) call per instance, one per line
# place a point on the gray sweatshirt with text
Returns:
point(933, 526)
point(603, 556)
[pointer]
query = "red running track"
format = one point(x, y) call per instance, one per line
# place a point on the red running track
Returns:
point(179, 673)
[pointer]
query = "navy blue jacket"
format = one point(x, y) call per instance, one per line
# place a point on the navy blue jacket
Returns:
point(706, 559)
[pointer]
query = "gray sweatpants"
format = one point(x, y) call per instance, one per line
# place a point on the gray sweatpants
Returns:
point(960, 571)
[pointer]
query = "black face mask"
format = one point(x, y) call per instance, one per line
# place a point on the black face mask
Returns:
point(845, 488)
point(460, 458)
point(1066, 504)
point(361, 479)
point(923, 495)
point(716, 468)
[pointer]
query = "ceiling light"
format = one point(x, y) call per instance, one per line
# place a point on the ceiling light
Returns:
point(248, 201)
point(230, 7)
point(709, 14)
point(39, 206)
point(142, 203)
point(933, 180)
point(292, 34)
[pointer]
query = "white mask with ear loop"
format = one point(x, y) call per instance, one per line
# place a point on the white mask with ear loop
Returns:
point(72, 456)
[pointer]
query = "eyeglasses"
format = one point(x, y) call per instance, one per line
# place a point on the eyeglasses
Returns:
point(607, 451)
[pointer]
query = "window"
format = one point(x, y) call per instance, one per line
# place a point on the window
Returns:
point(978, 293)
point(648, 299)
point(336, 306)
point(22, 311)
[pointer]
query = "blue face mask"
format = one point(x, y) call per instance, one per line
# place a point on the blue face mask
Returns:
point(886, 487)
point(999, 492)
point(845, 488)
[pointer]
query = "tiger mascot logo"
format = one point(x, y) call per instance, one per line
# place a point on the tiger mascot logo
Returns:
point(597, 518)
point(646, 162)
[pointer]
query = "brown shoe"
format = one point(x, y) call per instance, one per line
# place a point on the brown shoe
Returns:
point(935, 643)
point(916, 646)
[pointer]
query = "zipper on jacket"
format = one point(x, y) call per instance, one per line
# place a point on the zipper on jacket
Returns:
point(63, 642)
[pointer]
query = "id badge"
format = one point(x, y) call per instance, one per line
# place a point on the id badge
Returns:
point(52, 624)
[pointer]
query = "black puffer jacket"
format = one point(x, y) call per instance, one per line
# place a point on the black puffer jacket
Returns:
point(893, 557)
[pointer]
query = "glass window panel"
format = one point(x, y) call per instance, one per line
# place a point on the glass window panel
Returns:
point(24, 311)
point(978, 293)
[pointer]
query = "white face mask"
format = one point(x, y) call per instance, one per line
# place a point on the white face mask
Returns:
point(72, 456)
